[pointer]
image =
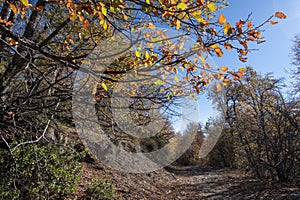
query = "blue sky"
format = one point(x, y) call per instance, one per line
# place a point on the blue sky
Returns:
point(275, 54)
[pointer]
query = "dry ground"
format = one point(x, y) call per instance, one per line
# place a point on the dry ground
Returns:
point(188, 183)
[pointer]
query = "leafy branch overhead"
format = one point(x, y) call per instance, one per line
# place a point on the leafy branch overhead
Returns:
point(198, 19)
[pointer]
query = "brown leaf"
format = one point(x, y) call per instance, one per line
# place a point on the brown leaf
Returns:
point(249, 25)
point(242, 59)
point(227, 46)
point(243, 52)
point(273, 22)
point(280, 15)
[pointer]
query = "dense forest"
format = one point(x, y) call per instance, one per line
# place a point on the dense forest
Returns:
point(92, 94)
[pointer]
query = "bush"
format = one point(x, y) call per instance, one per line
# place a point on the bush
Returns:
point(101, 189)
point(38, 171)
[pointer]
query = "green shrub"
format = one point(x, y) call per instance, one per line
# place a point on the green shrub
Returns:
point(38, 171)
point(101, 189)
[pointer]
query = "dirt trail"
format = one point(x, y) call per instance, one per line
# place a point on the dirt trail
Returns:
point(190, 183)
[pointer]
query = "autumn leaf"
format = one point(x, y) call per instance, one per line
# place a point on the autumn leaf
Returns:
point(177, 24)
point(241, 58)
point(273, 22)
point(243, 52)
point(73, 16)
point(222, 19)
point(181, 6)
point(104, 86)
point(219, 52)
point(151, 26)
point(249, 24)
point(39, 8)
point(224, 69)
point(212, 7)
point(86, 23)
point(280, 15)
point(219, 87)
point(225, 82)
point(227, 29)
point(25, 3)
point(104, 10)
point(244, 43)
point(14, 8)
point(12, 42)
point(137, 53)
point(227, 46)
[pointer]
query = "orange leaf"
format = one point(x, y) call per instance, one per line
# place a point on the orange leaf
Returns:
point(244, 43)
point(219, 87)
point(14, 8)
point(224, 69)
point(280, 15)
point(243, 52)
point(257, 35)
point(39, 8)
point(249, 25)
point(273, 22)
point(222, 19)
point(219, 52)
point(151, 26)
point(86, 23)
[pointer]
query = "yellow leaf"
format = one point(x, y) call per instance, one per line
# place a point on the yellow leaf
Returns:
point(104, 25)
point(280, 15)
point(214, 46)
point(104, 86)
point(212, 7)
point(224, 69)
point(242, 69)
point(73, 16)
point(137, 53)
point(177, 24)
point(25, 3)
point(225, 82)
point(102, 4)
point(148, 2)
point(147, 56)
point(181, 6)
point(222, 19)
point(169, 97)
point(159, 82)
point(227, 29)
point(104, 11)
point(219, 52)
point(202, 59)
point(176, 78)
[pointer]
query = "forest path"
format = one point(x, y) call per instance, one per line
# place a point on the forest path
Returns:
point(189, 182)
point(194, 183)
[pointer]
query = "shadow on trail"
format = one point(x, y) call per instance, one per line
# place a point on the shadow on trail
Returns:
point(195, 183)
point(190, 170)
